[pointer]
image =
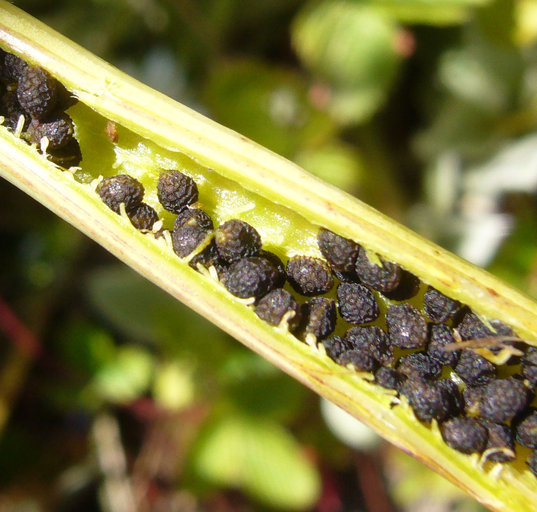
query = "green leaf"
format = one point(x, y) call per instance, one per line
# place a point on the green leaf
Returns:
point(259, 457)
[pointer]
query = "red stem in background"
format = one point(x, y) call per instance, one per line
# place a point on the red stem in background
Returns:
point(18, 333)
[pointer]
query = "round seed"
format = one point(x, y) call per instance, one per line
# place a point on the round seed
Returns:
point(120, 189)
point(372, 340)
point(37, 91)
point(389, 378)
point(438, 307)
point(340, 252)
point(500, 439)
point(58, 130)
point(474, 369)
point(143, 217)
point(465, 435)
point(273, 306)
point(407, 327)
point(503, 399)
point(356, 303)
point(319, 317)
point(526, 431)
point(309, 276)
point(383, 278)
point(429, 400)
point(359, 359)
point(440, 336)
point(190, 229)
point(250, 277)
point(419, 365)
point(236, 239)
point(335, 346)
point(176, 191)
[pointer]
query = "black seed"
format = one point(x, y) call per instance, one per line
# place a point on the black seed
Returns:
point(373, 340)
point(236, 239)
point(67, 156)
point(356, 303)
point(474, 369)
point(529, 367)
point(471, 328)
point(250, 277)
point(465, 435)
point(438, 307)
point(340, 252)
point(11, 110)
point(335, 346)
point(408, 287)
point(440, 336)
point(319, 317)
point(278, 264)
point(176, 191)
point(37, 91)
point(429, 400)
point(407, 327)
point(273, 306)
point(383, 278)
point(309, 276)
point(503, 399)
point(120, 189)
point(456, 399)
point(389, 378)
point(12, 67)
point(190, 229)
point(473, 395)
point(207, 258)
point(419, 365)
point(500, 439)
point(359, 359)
point(345, 277)
point(143, 217)
point(58, 130)
point(532, 462)
point(526, 431)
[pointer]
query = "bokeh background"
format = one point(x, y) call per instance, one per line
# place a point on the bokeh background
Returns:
point(115, 398)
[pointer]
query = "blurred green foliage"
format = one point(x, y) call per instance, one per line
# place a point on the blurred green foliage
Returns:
point(423, 108)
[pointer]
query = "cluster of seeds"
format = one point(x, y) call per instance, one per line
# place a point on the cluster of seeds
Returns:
point(474, 378)
point(33, 105)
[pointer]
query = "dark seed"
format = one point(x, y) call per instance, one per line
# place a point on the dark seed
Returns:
point(389, 378)
point(472, 399)
point(340, 252)
point(359, 359)
point(407, 327)
point(419, 365)
point(11, 110)
point(429, 400)
point(58, 130)
point(207, 258)
point(143, 217)
point(465, 435)
point(273, 306)
point(529, 368)
point(120, 189)
point(67, 156)
point(526, 431)
point(438, 307)
point(250, 277)
point(501, 440)
point(372, 340)
point(191, 228)
point(409, 285)
point(456, 399)
point(309, 276)
point(503, 399)
point(440, 336)
point(335, 346)
point(12, 67)
point(236, 239)
point(383, 278)
point(319, 317)
point(474, 369)
point(37, 91)
point(278, 264)
point(176, 191)
point(356, 303)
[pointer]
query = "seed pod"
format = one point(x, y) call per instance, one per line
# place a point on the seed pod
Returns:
point(529, 367)
point(474, 369)
point(440, 336)
point(359, 359)
point(335, 346)
point(372, 340)
point(500, 439)
point(389, 378)
point(319, 317)
point(526, 430)
point(340, 252)
point(176, 191)
point(236, 239)
point(407, 327)
point(58, 129)
point(438, 307)
point(383, 278)
point(356, 303)
point(250, 277)
point(503, 399)
point(273, 306)
point(37, 91)
point(465, 435)
point(309, 276)
point(190, 230)
point(419, 365)
point(143, 217)
point(429, 400)
point(121, 189)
